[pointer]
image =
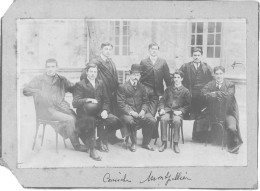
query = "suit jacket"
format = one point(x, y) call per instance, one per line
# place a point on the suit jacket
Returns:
point(130, 99)
point(84, 90)
point(175, 99)
point(225, 93)
point(154, 74)
point(188, 70)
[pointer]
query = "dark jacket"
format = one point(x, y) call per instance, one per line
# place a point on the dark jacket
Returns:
point(84, 90)
point(189, 72)
point(130, 99)
point(225, 93)
point(154, 74)
point(175, 99)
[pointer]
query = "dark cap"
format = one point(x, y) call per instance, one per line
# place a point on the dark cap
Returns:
point(135, 68)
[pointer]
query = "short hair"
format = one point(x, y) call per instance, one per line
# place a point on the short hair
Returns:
point(219, 68)
point(106, 44)
point(90, 65)
point(196, 49)
point(153, 44)
point(51, 60)
point(179, 73)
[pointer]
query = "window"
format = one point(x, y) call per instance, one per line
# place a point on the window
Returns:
point(119, 34)
point(122, 76)
point(207, 36)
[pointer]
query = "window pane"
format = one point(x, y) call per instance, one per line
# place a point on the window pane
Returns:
point(116, 50)
point(218, 28)
point(199, 40)
point(192, 40)
point(117, 23)
point(217, 52)
point(124, 30)
point(210, 51)
point(211, 27)
point(210, 39)
point(125, 23)
point(124, 50)
point(200, 27)
point(218, 39)
point(124, 40)
point(117, 31)
point(117, 40)
point(193, 27)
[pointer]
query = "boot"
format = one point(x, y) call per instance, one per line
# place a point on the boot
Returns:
point(163, 147)
point(100, 146)
point(93, 154)
point(76, 144)
point(113, 139)
point(176, 147)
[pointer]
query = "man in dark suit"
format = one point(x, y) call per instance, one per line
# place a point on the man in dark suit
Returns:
point(196, 75)
point(108, 74)
point(155, 70)
point(174, 103)
point(222, 105)
point(92, 103)
point(132, 101)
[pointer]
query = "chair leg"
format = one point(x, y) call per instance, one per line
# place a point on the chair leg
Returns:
point(43, 132)
point(35, 136)
point(182, 132)
point(223, 136)
point(65, 143)
point(56, 142)
point(171, 134)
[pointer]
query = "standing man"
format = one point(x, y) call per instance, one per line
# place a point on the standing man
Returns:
point(196, 75)
point(155, 70)
point(132, 101)
point(220, 94)
point(174, 103)
point(108, 74)
point(49, 91)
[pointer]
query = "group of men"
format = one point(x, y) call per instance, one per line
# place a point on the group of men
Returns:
point(103, 106)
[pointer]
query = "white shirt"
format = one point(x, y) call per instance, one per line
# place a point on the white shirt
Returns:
point(219, 84)
point(133, 83)
point(196, 65)
point(104, 57)
point(92, 82)
point(153, 59)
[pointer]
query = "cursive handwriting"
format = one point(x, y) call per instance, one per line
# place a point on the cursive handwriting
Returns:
point(168, 177)
point(121, 178)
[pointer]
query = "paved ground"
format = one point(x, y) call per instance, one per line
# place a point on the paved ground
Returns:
point(192, 154)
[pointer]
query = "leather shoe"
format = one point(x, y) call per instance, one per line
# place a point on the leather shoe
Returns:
point(114, 140)
point(93, 154)
point(176, 148)
point(132, 148)
point(81, 148)
point(235, 149)
point(148, 147)
point(163, 147)
point(106, 149)
point(100, 146)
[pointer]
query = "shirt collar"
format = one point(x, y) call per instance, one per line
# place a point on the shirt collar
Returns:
point(195, 64)
point(153, 59)
point(103, 57)
point(178, 88)
point(219, 83)
point(132, 82)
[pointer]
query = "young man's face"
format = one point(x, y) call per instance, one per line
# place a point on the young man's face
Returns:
point(51, 68)
point(219, 75)
point(177, 79)
point(154, 51)
point(106, 51)
point(92, 73)
point(196, 57)
point(135, 76)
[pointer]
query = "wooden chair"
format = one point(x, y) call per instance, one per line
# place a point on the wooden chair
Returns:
point(41, 121)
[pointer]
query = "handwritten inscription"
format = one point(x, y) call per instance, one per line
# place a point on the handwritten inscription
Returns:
point(166, 178)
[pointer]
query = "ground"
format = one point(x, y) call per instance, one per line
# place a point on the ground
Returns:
point(192, 154)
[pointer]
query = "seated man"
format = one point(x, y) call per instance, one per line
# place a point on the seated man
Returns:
point(132, 101)
point(221, 93)
point(90, 99)
point(49, 91)
point(175, 102)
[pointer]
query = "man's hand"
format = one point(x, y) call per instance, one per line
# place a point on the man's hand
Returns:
point(134, 114)
point(104, 114)
point(162, 112)
point(177, 112)
point(141, 114)
point(91, 100)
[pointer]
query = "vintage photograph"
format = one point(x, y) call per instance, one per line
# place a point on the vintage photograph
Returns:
point(131, 93)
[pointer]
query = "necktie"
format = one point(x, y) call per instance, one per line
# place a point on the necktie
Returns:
point(218, 86)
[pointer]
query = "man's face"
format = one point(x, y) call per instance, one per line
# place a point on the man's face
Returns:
point(51, 68)
point(177, 79)
point(154, 50)
point(219, 75)
point(135, 76)
point(106, 51)
point(196, 57)
point(92, 73)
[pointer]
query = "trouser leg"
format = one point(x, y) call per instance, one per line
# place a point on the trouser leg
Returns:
point(130, 124)
point(148, 124)
point(164, 123)
point(112, 123)
point(176, 126)
point(232, 134)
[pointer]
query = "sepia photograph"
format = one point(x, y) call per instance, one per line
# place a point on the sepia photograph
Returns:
point(130, 94)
